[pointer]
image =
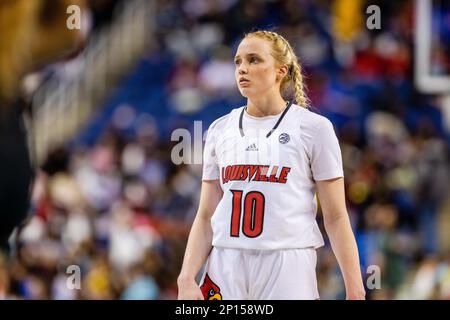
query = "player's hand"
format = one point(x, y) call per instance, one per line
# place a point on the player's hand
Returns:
point(189, 290)
point(356, 295)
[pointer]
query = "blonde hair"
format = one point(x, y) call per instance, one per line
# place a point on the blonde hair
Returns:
point(284, 54)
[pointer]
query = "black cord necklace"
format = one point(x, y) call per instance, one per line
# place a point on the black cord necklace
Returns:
point(241, 130)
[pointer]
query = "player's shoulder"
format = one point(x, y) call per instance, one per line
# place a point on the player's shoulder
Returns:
point(310, 121)
point(223, 122)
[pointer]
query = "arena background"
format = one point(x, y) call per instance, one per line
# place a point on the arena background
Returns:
point(108, 198)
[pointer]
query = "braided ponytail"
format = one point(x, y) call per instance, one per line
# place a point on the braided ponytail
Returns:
point(299, 91)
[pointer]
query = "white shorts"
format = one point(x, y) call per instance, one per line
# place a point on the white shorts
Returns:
point(240, 274)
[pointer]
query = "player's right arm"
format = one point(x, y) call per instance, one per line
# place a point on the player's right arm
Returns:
point(200, 241)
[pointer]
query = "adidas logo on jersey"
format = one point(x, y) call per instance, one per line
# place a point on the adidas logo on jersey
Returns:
point(252, 147)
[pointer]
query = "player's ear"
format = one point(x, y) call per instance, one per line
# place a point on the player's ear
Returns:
point(282, 71)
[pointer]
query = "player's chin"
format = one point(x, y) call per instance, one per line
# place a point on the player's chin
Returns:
point(246, 92)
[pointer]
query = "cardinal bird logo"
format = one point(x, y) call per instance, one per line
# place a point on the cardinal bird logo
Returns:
point(210, 290)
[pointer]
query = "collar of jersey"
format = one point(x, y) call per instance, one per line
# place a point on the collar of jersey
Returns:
point(241, 130)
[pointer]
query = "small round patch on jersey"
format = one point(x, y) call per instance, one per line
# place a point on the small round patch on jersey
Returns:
point(284, 138)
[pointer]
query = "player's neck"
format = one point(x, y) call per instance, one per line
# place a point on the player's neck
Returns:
point(265, 106)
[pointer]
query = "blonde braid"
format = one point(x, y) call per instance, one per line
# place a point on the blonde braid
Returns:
point(283, 53)
point(299, 90)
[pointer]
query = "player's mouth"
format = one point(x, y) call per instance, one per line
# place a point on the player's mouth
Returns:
point(244, 81)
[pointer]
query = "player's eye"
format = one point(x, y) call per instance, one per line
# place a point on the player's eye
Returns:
point(253, 60)
point(237, 62)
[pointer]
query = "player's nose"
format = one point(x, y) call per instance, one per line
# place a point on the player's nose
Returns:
point(242, 69)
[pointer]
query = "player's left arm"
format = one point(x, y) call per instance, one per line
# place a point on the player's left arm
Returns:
point(337, 225)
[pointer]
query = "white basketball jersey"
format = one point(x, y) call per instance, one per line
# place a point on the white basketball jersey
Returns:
point(268, 177)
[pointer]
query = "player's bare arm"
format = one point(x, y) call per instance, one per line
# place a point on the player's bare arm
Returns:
point(337, 225)
point(199, 242)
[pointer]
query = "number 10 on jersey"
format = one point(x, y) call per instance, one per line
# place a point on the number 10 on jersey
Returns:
point(251, 208)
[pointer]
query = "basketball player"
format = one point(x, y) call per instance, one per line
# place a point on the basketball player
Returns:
point(263, 164)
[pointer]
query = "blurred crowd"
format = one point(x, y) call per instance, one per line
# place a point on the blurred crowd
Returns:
point(114, 204)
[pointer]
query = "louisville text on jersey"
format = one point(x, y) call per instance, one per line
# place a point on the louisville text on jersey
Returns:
point(242, 172)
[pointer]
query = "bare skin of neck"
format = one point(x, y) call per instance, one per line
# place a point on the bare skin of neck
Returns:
point(267, 105)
